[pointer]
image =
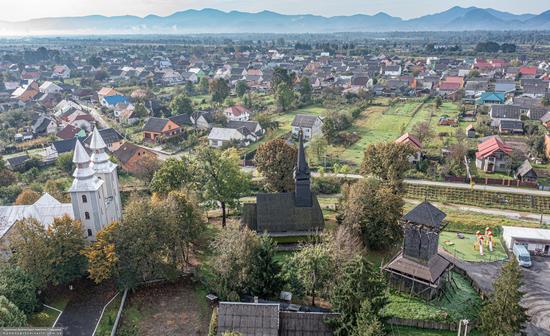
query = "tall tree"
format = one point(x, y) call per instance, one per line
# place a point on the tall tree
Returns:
point(368, 323)
point(18, 286)
point(181, 104)
point(358, 281)
point(33, 251)
point(502, 314)
point(281, 75)
point(264, 275)
point(185, 225)
point(10, 315)
point(373, 209)
point(234, 253)
point(423, 131)
point(305, 90)
point(241, 88)
point(219, 90)
point(310, 270)
point(101, 255)
point(67, 241)
point(284, 97)
point(173, 174)
point(221, 178)
point(275, 160)
point(387, 161)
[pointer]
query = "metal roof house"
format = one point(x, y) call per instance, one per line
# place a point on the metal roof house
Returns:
point(269, 319)
point(418, 269)
point(295, 213)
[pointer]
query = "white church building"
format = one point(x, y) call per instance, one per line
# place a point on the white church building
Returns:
point(95, 196)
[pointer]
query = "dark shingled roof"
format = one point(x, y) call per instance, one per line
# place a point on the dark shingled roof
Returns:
point(64, 146)
point(427, 214)
point(109, 136)
point(277, 213)
point(248, 319)
point(127, 151)
point(181, 119)
point(524, 169)
point(155, 124)
point(431, 272)
point(305, 324)
point(302, 120)
point(16, 161)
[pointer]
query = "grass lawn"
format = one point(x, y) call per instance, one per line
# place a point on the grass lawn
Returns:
point(43, 319)
point(464, 248)
point(404, 108)
point(461, 302)
point(109, 316)
point(47, 316)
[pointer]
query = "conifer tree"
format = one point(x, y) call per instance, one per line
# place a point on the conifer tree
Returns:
point(502, 314)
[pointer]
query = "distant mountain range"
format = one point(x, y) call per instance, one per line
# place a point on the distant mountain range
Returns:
point(216, 21)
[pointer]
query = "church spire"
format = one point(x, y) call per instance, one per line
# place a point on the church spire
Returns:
point(82, 161)
point(302, 193)
point(100, 159)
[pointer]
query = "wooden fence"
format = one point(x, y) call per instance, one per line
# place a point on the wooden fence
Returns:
point(492, 181)
point(422, 324)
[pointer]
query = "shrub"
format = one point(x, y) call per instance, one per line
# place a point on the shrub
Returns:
point(326, 185)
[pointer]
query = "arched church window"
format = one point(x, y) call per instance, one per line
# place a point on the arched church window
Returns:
point(87, 215)
point(84, 199)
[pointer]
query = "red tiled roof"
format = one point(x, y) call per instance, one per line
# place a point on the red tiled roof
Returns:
point(526, 70)
point(68, 132)
point(409, 139)
point(449, 86)
point(490, 146)
point(236, 110)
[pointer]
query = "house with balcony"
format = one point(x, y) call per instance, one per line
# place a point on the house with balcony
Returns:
point(493, 155)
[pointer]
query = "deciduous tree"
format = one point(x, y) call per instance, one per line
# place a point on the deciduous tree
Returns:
point(18, 286)
point(310, 270)
point(373, 210)
point(173, 174)
point(181, 104)
point(221, 178)
point(241, 88)
point(67, 241)
point(275, 160)
point(387, 161)
point(219, 90)
point(27, 197)
point(101, 255)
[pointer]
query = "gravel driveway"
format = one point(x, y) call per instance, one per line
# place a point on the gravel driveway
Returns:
point(536, 286)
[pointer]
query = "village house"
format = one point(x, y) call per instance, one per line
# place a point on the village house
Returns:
point(493, 155)
point(129, 156)
point(526, 172)
point(50, 87)
point(157, 128)
point(61, 72)
point(237, 113)
point(112, 139)
point(310, 126)
point(44, 126)
point(416, 145)
point(240, 132)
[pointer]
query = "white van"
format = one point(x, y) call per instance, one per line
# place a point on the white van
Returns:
point(522, 255)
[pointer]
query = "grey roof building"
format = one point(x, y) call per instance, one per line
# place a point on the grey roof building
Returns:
point(268, 319)
point(290, 213)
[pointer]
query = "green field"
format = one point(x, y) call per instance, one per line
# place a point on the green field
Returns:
point(464, 248)
point(404, 108)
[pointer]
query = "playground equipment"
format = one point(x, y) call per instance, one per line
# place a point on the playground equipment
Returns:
point(484, 240)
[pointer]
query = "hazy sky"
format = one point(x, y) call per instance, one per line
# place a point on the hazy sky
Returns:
point(21, 10)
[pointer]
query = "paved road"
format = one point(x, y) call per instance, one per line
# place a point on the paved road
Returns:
point(536, 285)
point(83, 311)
